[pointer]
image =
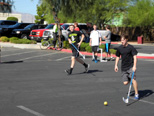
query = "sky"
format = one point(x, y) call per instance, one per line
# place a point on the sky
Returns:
point(25, 6)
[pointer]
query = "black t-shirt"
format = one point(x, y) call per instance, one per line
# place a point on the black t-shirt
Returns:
point(75, 36)
point(126, 54)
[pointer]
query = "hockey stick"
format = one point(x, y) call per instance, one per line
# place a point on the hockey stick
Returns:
point(127, 99)
point(83, 56)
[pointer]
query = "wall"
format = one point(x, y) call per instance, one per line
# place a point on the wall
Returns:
point(3, 16)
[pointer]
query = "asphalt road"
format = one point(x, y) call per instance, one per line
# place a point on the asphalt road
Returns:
point(148, 49)
point(33, 83)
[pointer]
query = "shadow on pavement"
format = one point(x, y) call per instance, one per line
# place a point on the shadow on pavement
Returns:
point(11, 62)
point(89, 72)
point(142, 94)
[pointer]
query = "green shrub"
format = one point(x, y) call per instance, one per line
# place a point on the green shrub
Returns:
point(113, 51)
point(33, 42)
point(12, 19)
point(21, 41)
point(4, 39)
point(83, 46)
point(88, 49)
point(66, 44)
point(13, 38)
point(103, 47)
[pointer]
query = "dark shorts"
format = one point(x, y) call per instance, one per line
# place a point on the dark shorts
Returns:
point(107, 47)
point(95, 48)
point(75, 53)
point(126, 75)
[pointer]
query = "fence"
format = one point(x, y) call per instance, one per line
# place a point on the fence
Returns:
point(134, 32)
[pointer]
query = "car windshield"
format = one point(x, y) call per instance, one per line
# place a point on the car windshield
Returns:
point(65, 26)
point(14, 26)
point(29, 26)
point(49, 26)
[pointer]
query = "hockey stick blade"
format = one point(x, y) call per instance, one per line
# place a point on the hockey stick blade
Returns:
point(125, 100)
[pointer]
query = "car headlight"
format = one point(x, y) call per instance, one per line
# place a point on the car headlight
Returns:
point(17, 32)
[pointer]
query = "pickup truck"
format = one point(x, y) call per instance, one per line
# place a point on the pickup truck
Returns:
point(38, 33)
point(24, 33)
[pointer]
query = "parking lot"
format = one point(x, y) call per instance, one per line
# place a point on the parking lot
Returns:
point(33, 83)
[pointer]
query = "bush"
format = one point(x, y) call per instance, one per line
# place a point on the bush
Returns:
point(83, 46)
point(24, 41)
point(66, 44)
point(12, 39)
point(103, 47)
point(12, 19)
point(4, 39)
point(113, 51)
point(88, 49)
point(21, 41)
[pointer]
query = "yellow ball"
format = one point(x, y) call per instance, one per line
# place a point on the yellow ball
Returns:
point(105, 103)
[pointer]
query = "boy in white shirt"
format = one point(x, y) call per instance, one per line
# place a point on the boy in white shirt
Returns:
point(95, 41)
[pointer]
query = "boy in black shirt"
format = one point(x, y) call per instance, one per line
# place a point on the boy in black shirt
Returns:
point(129, 60)
point(73, 37)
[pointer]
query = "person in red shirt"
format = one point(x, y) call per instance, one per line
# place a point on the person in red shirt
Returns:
point(76, 27)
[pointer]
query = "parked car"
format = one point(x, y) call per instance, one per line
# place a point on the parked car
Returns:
point(65, 30)
point(6, 31)
point(6, 23)
point(24, 33)
point(38, 33)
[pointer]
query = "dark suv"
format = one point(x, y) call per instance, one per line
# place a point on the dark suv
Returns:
point(24, 33)
point(6, 31)
point(6, 23)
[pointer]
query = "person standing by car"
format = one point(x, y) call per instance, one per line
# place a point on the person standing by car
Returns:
point(55, 33)
point(107, 38)
point(73, 38)
point(89, 29)
point(76, 27)
point(129, 61)
point(95, 41)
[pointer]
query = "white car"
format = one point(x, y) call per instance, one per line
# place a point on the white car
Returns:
point(65, 30)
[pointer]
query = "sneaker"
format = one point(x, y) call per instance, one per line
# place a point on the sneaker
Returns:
point(136, 96)
point(112, 59)
point(68, 71)
point(96, 61)
point(93, 59)
point(87, 68)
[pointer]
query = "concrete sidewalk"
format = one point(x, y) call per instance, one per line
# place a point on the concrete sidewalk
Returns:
point(37, 46)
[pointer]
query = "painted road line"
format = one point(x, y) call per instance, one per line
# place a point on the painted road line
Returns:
point(18, 53)
point(152, 103)
point(63, 58)
point(37, 56)
point(30, 111)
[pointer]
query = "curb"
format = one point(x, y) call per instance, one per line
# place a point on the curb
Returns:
point(90, 54)
point(36, 46)
point(22, 46)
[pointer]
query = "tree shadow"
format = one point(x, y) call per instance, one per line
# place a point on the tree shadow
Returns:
point(11, 62)
point(142, 94)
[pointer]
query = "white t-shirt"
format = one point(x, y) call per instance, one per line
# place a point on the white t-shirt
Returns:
point(94, 36)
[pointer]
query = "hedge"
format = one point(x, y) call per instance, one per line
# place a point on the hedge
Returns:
point(12, 19)
point(85, 47)
point(4, 39)
point(17, 40)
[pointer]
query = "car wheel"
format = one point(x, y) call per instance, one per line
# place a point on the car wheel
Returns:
point(24, 36)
